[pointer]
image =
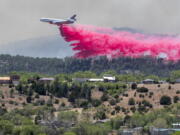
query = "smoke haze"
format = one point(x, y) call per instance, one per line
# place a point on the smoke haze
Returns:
point(20, 18)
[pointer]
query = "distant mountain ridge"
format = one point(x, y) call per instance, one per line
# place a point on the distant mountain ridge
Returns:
point(49, 47)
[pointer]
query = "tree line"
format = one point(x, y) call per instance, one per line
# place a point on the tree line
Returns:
point(98, 65)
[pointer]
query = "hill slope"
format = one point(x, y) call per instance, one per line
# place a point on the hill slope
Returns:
point(51, 46)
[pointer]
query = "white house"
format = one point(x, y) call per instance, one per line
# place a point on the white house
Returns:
point(109, 78)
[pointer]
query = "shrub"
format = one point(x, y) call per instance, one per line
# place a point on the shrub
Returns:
point(117, 108)
point(37, 96)
point(133, 109)
point(176, 133)
point(134, 86)
point(113, 112)
point(116, 123)
point(2, 111)
point(142, 108)
point(112, 102)
point(63, 104)
point(84, 104)
point(146, 103)
point(165, 100)
point(176, 99)
point(49, 102)
point(178, 92)
point(6, 127)
point(11, 102)
point(69, 133)
point(123, 109)
point(131, 101)
point(96, 102)
point(124, 86)
point(125, 95)
point(40, 102)
point(116, 96)
point(142, 90)
point(29, 99)
point(56, 101)
point(104, 97)
point(100, 114)
point(141, 95)
point(70, 116)
point(151, 94)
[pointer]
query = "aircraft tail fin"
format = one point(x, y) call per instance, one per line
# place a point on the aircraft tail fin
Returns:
point(74, 17)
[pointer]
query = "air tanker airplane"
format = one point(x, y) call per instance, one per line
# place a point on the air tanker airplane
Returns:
point(59, 21)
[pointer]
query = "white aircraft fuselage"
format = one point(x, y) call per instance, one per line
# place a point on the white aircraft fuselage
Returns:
point(59, 21)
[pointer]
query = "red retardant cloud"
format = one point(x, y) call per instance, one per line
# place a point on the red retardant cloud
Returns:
point(91, 41)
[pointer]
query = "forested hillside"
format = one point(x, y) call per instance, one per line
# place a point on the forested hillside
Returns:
point(53, 66)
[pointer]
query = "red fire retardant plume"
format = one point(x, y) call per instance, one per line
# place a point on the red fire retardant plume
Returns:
point(90, 41)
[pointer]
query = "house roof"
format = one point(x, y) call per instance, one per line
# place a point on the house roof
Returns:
point(148, 80)
point(80, 79)
point(96, 80)
point(5, 78)
point(46, 79)
point(178, 80)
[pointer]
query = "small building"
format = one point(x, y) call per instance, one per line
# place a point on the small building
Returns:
point(176, 125)
point(5, 80)
point(177, 80)
point(163, 131)
point(15, 79)
point(162, 82)
point(148, 81)
point(109, 78)
point(80, 79)
point(134, 131)
point(96, 80)
point(46, 80)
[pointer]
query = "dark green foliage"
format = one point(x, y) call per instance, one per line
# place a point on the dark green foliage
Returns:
point(71, 65)
point(165, 100)
point(56, 101)
point(96, 102)
point(117, 108)
point(104, 97)
point(100, 115)
point(6, 127)
point(131, 101)
point(49, 102)
point(178, 92)
point(176, 133)
point(29, 99)
point(39, 102)
point(63, 104)
point(91, 129)
point(37, 96)
point(142, 90)
point(2, 111)
point(84, 104)
point(176, 99)
point(134, 86)
point(146, 103)
point(116, 123)
point(112, 102)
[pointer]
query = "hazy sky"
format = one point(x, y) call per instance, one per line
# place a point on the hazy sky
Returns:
point(19, 19)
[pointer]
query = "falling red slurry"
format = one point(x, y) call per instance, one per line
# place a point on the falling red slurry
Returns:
point(90, 41)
